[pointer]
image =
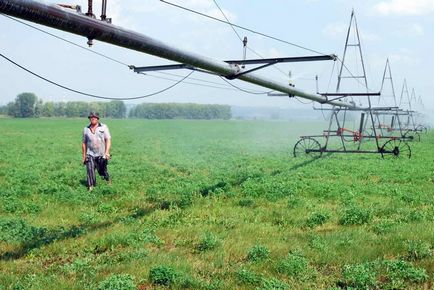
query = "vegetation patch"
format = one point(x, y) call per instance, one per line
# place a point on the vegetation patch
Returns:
point(18, 231)
point(360, 276)
point(208, 242)
point(317, 219)
point(294, 265)
point(400, 272)
point(258, 253)
point(118, 281)
point(163, 275)
point(417, 250)
point(355, 215)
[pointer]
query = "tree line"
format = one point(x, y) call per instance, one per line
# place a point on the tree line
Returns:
point(181, 111)
point(27, 105)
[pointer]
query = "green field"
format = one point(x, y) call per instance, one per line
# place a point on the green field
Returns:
point(210, 205)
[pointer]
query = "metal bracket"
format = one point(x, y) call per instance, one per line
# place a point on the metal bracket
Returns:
point(237, 75)
point(266, 62)
point(344, 95)
point(160, 67)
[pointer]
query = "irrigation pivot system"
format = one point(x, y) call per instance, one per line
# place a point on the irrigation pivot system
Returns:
point(401, 120)
point(369, 127)
point(71, 19)
point(85, 24)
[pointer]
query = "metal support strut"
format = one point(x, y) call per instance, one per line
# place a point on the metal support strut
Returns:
point(90, 9)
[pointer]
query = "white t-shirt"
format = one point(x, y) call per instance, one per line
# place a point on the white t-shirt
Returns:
point(95, 142)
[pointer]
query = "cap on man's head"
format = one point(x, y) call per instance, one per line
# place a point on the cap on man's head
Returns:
point(93, 114)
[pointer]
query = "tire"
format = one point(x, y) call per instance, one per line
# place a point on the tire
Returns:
point(395, 148)
point(307, 147)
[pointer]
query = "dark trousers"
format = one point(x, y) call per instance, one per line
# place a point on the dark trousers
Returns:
point(98, 163)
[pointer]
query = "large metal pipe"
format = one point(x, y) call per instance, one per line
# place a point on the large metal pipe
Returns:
point(58, 18)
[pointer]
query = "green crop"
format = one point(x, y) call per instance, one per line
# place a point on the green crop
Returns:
point(210, 205)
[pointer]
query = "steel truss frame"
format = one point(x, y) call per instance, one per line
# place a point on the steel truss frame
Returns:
point(395, 146)
point(406, 129)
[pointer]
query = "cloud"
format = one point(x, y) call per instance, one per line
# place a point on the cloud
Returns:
point(369, 37)
point(405, 7)
point(410, 30)
point(126, 15)
point(335, 30)
point(403, 58)
point(272, 53)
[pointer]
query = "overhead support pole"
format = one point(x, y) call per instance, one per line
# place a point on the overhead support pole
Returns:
point(76, 23)
point(104, 10)
point(90, 8)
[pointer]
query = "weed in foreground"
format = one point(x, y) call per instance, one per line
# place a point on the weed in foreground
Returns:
point(383, 227)
point(81, 268)
point(317, 219)
point(355, 215)
point(359, 276)
point(163, 275)
point(118, 281)
point(246, 202)
point(258, 253)
point(208, 242)
point(247, 277)
point(294, 265)
point(417, 250)
point(273, 284)
point(17, 231)
point(399, 273)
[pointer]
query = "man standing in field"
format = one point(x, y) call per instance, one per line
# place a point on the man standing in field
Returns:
point(96, 149)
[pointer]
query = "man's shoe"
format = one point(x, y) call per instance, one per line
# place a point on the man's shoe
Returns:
point(90, 188)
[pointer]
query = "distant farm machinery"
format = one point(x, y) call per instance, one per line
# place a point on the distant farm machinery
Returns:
point(391, 140)
point(390, 127)
point(353, 141)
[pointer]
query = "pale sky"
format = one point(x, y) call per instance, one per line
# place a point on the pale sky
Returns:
point(400, 30)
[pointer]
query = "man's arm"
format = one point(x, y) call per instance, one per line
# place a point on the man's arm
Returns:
point(83, 151)
point(108, 145)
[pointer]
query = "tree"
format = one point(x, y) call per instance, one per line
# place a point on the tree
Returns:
point(25, 104)
point(38, 108)
point(115, 109)
point(59, 109)
point(3, 110)
point(11, 108)
point(77, 109)
point(47, 109)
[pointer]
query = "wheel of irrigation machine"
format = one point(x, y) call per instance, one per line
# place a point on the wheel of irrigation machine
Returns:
point(412, 135)
point(395, 148)
point(422, 129)
point(302, 147)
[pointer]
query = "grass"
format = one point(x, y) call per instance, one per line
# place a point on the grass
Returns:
point(210, 205)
